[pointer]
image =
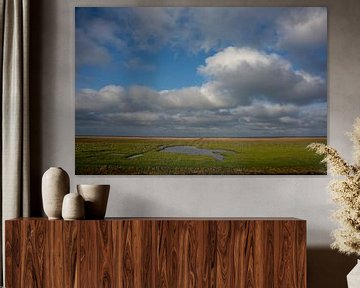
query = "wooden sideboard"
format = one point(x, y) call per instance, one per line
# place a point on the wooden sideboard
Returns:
point(156, 252)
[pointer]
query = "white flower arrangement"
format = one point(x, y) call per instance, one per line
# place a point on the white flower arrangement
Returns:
point(345, 191)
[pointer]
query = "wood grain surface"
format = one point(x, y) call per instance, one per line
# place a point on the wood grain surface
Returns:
point(157, 253)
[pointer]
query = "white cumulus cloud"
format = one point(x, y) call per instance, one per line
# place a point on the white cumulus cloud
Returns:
point(245, 74)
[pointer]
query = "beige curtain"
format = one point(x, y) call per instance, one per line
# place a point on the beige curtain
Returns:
point(14, 27)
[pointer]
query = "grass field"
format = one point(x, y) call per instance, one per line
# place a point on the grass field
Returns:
point(143, 156)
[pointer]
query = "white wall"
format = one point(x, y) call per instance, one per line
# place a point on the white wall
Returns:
point(297, 196)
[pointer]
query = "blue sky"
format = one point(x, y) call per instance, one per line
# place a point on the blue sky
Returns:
point(219, 72)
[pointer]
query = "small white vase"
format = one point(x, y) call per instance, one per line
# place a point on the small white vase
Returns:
point(96, 198)
point(55, 185)
point(353, 278)
point(73, 207)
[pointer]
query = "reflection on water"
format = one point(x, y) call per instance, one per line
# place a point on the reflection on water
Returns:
point(190, 150)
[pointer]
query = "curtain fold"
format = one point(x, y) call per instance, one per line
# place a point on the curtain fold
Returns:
point(15, 153)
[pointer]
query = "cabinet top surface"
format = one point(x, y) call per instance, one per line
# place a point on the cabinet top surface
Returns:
point(174, 219)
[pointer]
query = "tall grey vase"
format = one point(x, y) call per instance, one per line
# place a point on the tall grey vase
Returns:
point(55, 185)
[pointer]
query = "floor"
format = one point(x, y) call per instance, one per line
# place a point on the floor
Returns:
point(328, 268)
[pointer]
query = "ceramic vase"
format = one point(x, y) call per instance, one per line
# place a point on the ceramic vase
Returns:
point(96, 198)
point(55, 185)
point(73, 207)
point(353, 278)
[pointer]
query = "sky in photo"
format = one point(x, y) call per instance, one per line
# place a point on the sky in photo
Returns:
point(201, 72)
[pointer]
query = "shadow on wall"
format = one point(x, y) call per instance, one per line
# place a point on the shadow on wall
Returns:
point(35, 71)
point(328, 268)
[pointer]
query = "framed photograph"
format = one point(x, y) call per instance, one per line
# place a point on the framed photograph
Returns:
point(200, 90)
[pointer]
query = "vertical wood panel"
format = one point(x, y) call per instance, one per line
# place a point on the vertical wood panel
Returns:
point(209, 254)
point(259, 254)
point(269, 254)
point(13, 252)
point(117, 235)
point(138, 237)
point(224, 256)
point(103, 246)
point(55, 253)
point(249, 255)
point(147, 261)
point(33, 253)
point(194, 230)
point(128, 257)
point(284, 255)
point(156, 253)
point(301, 254)
point(244, 233)
point(162, 238)
point(182, 257)
point(88, 254)
point(71, 248)
point(174, 249)
point(154, 258)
